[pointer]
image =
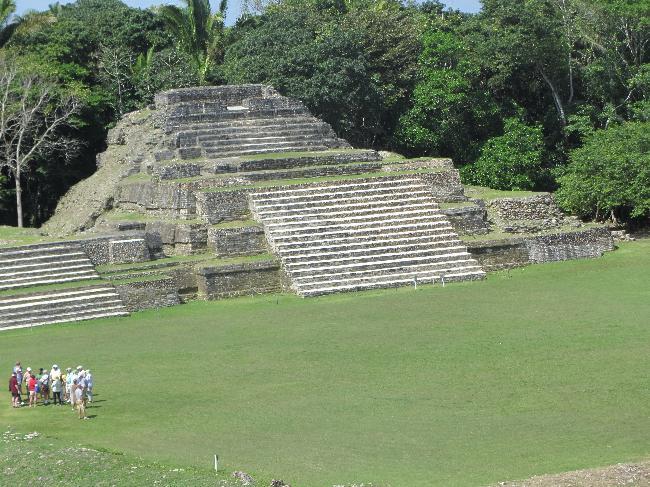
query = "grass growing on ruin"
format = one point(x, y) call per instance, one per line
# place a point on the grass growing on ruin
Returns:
point(543, 369)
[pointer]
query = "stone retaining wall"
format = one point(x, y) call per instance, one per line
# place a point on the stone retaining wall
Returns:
point(120, 249)
point(496, 255)
point(240, 280)
point(571, 245)
point(138, 296)
point(223, 206)
point(509, 253)
point(240, 241)
point(538, 207)
point(444, 185)
point(471, 220)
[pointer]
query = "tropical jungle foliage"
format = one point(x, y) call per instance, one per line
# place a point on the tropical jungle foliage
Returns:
point(526, 94)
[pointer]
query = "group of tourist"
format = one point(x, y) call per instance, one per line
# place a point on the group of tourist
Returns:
point(72, 386)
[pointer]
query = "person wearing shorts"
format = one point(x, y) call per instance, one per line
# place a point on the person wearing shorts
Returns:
point(33, 382)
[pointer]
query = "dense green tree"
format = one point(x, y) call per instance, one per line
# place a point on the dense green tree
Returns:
point(7, 25)
point(353, 69)
point(510, 161)
point(452, 111)
point(609, 177)
point(199, 31)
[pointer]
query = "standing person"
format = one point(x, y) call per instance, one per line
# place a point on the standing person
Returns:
point(79, 401)
point(45, 387)
point(57, 388)
point(18, 369)
point(13, 388)
point(28, 375)
point(89, 386)
point(33, 384)
point(64, 384)
point(69, 377)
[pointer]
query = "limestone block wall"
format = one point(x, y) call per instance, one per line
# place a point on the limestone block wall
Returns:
point(509, 253)
point(538, 207)
point(469, 220)
point(237, 241)
point(495, 255)
point(168, 199)
point(572, 245)
point(128, 250)
point(444, 185)
point(138, 296)
point(222, 206)
point(229, 95)
point(240, 280)
point(134, 247)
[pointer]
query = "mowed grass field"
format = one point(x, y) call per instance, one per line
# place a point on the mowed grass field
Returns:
point(543, 369)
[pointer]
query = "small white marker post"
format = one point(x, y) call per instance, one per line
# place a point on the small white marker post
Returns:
point(415, 282)
point(216, 463)
point(442, 278)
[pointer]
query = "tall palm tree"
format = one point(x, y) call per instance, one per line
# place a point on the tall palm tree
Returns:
point(7, 24)
point(198, 30)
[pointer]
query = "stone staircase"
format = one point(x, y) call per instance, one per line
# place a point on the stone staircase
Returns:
point(238, 121)
point(351, 235)
point(43, 264)
point(65, 305)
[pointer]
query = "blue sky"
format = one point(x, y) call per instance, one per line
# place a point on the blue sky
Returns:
point(23, 5)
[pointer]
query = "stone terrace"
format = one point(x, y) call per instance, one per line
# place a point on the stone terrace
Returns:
point(236, 190)
point(354, 235)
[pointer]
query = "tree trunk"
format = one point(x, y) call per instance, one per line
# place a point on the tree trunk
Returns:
point(19, 198)
point(556, 98)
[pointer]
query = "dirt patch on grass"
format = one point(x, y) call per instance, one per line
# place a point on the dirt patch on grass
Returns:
point(628, 474)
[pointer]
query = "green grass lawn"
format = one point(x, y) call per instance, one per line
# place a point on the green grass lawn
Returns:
point(544, 369)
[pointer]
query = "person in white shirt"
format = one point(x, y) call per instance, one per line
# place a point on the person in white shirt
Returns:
point(89, 386)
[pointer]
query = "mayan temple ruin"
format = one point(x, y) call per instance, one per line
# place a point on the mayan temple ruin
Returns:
point(215, 192)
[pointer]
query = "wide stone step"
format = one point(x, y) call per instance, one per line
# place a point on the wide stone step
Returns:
point(363, 227)
point(36, 250)
point(368, 243)
point(178, 122)
point(238, 133)
point(413, 271)
point(397, 280)
point(351, 212)
point(215, 153)
point(234, 126)
point(268, 146)
point(341, 187)
point(302, 272)
point(28, 271)
point(62, 294)
point(372, 232)
point(350, 221)
point(25, 314)
point(256, 141)
point(46, 259)
point(361, 199)
point(43, 280)
point(67, 318)
point(359, 254)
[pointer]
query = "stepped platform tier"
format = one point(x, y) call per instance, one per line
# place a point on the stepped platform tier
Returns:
point(53, 263)
point(59, 306)
point(356, 235)
point(223, 121)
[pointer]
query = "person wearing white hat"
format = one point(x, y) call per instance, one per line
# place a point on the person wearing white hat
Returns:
point(71, 383)
point(56, 384)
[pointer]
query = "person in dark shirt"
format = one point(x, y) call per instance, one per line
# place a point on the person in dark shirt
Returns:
point(13, 388)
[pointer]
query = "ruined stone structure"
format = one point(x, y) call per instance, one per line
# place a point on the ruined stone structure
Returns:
point(226, 191)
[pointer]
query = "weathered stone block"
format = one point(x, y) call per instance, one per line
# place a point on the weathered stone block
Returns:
point(138, 296)
point(128, 250)
point(239, 279)
point(227, 242)
point(571, 245)
point(222, 206)
point(469, 220)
